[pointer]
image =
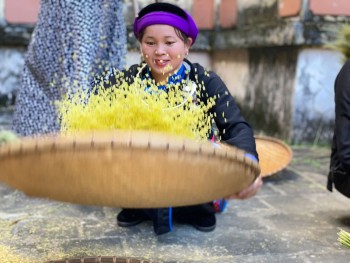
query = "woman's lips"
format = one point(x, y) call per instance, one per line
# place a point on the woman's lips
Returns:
point(161, 62)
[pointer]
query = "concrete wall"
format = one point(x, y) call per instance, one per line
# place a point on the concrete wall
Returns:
point(313, 102)
point(269, 53)
point(12, 60)
point(233, 67)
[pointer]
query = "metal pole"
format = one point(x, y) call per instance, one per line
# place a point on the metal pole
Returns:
point(135, 4)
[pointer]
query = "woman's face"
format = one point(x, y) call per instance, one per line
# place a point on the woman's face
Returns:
point(163, 51)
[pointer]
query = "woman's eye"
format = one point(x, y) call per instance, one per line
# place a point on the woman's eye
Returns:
point(169, 43)
point(150, 43)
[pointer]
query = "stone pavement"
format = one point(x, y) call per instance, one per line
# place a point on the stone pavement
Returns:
point(292, 219)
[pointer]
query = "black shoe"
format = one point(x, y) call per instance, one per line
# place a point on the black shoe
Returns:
point(130, 217)
point(204, 223)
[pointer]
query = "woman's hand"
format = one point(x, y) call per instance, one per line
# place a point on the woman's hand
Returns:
point(248, 192)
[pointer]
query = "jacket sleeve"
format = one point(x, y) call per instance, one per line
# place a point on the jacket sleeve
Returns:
point(342, 115)
point(233, 128)
point(114, 78)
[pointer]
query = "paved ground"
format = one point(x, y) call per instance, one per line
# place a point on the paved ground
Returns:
point(292, 219)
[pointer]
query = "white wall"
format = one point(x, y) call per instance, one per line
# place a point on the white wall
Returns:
point(314, 88)
point(11, 65)
point(2, 11)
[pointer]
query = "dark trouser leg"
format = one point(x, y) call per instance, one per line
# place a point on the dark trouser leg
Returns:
point(202, 216)
point(131, 217)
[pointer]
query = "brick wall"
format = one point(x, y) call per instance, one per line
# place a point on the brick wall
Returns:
point(223, 24)
point(287, 8)
point(21, 12)
point(207, 13)
point(330, 7)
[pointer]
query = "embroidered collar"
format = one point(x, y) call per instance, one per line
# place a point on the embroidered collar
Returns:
point(173, 79)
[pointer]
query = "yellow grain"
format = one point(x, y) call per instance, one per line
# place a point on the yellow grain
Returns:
point(7, 256)
point(139, 106)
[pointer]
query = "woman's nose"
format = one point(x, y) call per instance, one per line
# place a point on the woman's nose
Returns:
point(159, 51)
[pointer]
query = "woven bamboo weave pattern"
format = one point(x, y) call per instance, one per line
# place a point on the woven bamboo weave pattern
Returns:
point(125, 169)
point(274, 155)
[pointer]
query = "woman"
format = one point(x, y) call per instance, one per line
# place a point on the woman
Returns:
point(166, 33)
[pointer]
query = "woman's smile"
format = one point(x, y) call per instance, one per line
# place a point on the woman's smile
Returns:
point(161, 62)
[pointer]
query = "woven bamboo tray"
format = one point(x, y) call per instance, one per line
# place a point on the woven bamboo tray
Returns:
point(125, 169)
point(274, 155)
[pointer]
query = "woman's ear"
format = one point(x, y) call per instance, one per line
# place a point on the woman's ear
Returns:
point(188, 46)
point(189, 42)
point(142, 55)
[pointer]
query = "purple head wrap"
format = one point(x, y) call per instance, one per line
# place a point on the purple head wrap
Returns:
point(166, 18)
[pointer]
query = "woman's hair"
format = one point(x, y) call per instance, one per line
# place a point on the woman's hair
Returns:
point(163, 7)
point(166, 14)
